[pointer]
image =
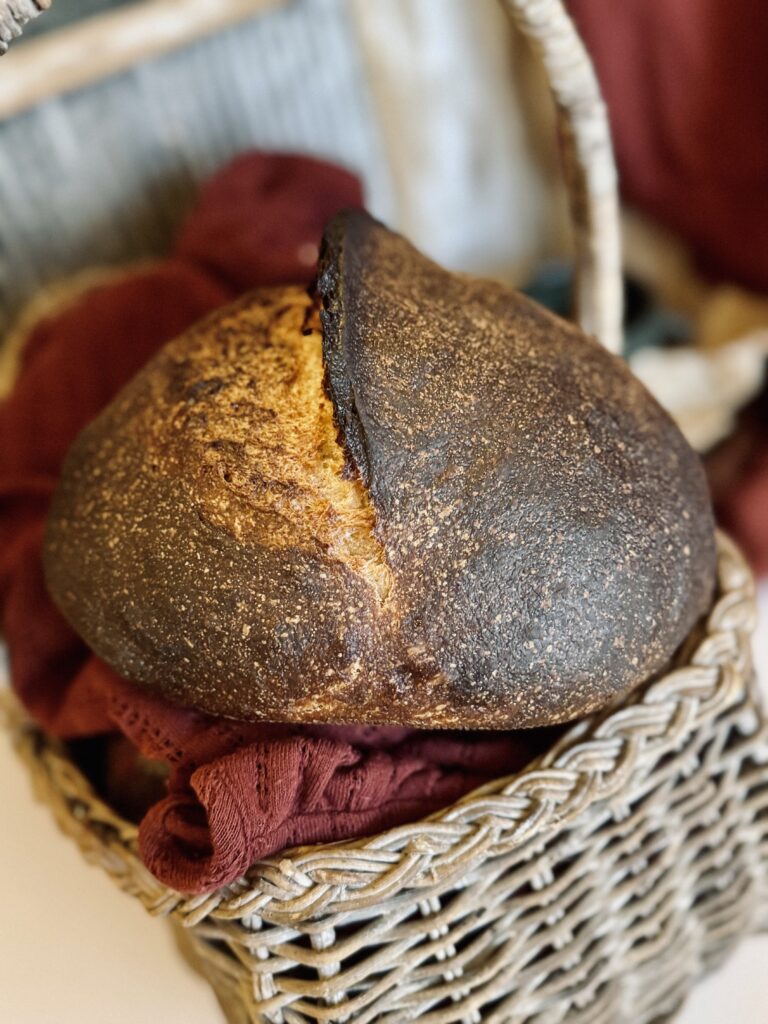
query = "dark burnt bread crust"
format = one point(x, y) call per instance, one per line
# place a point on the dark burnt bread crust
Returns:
point(549, 528)
point(519, 535)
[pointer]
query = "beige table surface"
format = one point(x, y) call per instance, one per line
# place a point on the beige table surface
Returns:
point(74, 950)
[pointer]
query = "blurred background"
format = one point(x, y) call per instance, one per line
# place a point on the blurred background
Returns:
point(113, 113)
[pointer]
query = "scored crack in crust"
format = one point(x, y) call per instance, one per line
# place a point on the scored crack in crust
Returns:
point(267, 435)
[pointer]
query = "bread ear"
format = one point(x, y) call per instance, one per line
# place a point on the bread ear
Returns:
point(548, 527)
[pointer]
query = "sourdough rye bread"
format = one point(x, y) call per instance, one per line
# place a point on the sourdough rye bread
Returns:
point(412, 498)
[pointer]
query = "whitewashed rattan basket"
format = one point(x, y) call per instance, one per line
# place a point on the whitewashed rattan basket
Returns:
point(592, 888)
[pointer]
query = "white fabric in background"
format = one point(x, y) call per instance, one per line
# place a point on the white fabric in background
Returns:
point(456, 131)
point(416, 96)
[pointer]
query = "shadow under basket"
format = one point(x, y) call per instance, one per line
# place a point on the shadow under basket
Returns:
point(596, 886)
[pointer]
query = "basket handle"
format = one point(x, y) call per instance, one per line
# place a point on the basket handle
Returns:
point(14, 15)
point(590, 171)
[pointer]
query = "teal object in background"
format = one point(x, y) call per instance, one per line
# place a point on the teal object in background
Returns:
point(646, 324)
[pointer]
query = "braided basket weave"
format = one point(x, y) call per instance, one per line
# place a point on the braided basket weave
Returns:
point(593, 888)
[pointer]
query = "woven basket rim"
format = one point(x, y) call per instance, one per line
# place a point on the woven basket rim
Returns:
point(590, 763)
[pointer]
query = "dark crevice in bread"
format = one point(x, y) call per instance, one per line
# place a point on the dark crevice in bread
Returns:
point(337, 381)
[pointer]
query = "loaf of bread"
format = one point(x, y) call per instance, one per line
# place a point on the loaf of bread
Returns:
point(409, 497)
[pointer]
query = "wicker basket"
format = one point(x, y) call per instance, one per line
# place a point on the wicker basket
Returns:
point(592, 888)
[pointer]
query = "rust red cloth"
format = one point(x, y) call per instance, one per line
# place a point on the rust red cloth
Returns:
point(686, 83)
point(738, 475)
point(745, 513)
point(236, 792)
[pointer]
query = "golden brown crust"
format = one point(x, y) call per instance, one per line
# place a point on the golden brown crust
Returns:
point(204, 539)
point(270, 469)
point(488, 524)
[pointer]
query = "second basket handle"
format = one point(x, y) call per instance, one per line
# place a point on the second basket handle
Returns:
point(590, 170)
